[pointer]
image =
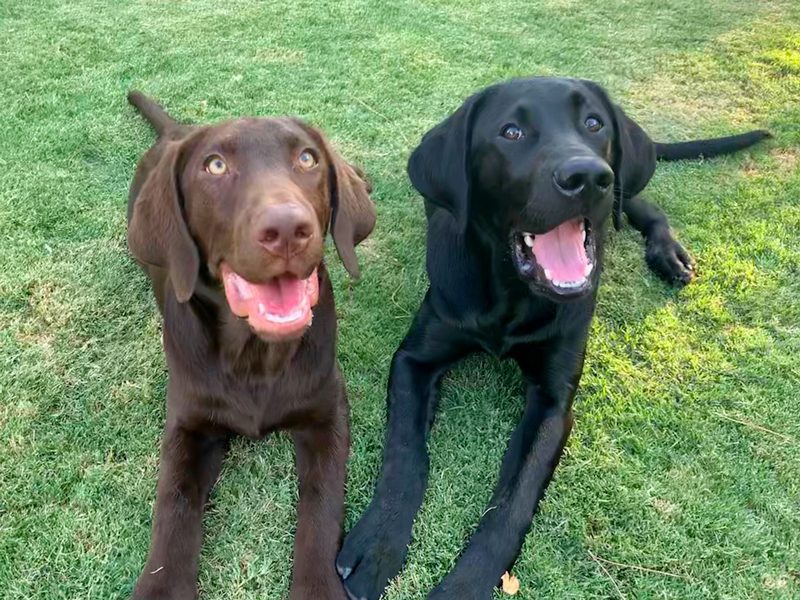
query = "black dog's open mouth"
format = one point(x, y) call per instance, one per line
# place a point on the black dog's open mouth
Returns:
point(560, 260)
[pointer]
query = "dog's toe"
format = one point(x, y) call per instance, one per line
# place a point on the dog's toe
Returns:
point(372, 553)
point(669, 260)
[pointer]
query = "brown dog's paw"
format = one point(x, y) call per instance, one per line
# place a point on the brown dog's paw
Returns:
point(329, 590)
point(668, 259)
point(160, 591)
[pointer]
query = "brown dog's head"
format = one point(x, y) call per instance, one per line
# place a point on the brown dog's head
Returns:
point(252, 200)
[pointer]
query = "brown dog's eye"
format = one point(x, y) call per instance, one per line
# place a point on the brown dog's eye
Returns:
point(215, 165)
point(593, 124)
point(307, 159)
point(512, 132)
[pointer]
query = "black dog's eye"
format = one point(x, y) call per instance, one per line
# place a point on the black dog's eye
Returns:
point(512, 132)
point(593, 124)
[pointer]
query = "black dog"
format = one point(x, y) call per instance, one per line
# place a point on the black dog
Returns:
point(518, 185)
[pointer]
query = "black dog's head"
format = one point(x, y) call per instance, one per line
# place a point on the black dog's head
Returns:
point(538, 164)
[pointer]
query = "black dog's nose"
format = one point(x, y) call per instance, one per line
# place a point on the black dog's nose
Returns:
point(286, 229)
point(583, 176)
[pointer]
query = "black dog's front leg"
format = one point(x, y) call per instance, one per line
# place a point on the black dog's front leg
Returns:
point(664, 254)
point(374, 551)
point(529, 462)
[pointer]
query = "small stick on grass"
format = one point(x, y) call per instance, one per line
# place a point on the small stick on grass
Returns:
point(783, 436)
point(382, 116)
point(638, 568)
point(611, 577)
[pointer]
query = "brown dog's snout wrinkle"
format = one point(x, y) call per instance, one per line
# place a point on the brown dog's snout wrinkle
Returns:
point(586, 177)
point(285, 230)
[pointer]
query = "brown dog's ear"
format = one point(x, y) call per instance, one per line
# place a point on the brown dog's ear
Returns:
point(353, 213)
point(157, 230)
point(634, 160)
point(352, 209)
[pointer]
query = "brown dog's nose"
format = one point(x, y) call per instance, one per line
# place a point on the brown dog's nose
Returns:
point(583, 176)
point(285, 229)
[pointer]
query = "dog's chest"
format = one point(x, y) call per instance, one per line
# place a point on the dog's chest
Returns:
point(255, 409)
point(498, 324)
point(256, 412)
point(256, 393)
point(500, 336)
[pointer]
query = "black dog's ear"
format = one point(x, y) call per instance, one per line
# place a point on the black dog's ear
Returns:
point(439, 168)
point(157, 230)
point(634, 154)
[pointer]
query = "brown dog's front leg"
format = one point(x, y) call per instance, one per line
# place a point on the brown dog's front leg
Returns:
point(321, 460)
point(190, 464)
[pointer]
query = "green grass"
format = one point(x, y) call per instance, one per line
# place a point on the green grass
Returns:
point(671, 466)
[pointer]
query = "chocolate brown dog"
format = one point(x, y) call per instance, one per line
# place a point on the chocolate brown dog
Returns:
point(228, 221)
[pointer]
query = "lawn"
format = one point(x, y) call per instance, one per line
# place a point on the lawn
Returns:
point(682, 476)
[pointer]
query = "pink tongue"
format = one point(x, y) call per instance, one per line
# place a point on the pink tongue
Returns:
point(281, 295)
point(561, 253)
point(280, 306)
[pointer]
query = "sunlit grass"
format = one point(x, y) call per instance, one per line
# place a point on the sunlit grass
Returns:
point(684, 457)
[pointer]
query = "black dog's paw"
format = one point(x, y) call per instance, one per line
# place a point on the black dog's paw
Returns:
point(668, 259)
point(373, 552)
point(468, 581)
point(445, 593)
point(459, 585)
point(439, 593)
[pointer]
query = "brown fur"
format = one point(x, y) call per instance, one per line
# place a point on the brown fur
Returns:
point(223, 378)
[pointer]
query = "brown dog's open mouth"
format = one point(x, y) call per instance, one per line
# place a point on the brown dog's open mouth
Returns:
point(560, 260)
point(277, 308)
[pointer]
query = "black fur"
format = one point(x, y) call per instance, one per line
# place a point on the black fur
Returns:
point(480, 190)
point(709, 148)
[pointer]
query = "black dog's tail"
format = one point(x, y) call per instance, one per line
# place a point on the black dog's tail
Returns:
point(151, 111)
point(709, 148)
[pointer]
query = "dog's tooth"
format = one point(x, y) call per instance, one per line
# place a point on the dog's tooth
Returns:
point(548, 274)
point(262, 310)
point(569, 284)
point(528, 240)
point(588, 270)
point(583, 234)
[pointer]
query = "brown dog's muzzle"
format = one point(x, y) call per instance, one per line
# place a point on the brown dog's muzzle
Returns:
point(270, 277)
point(285, 230)
point(278, 232)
